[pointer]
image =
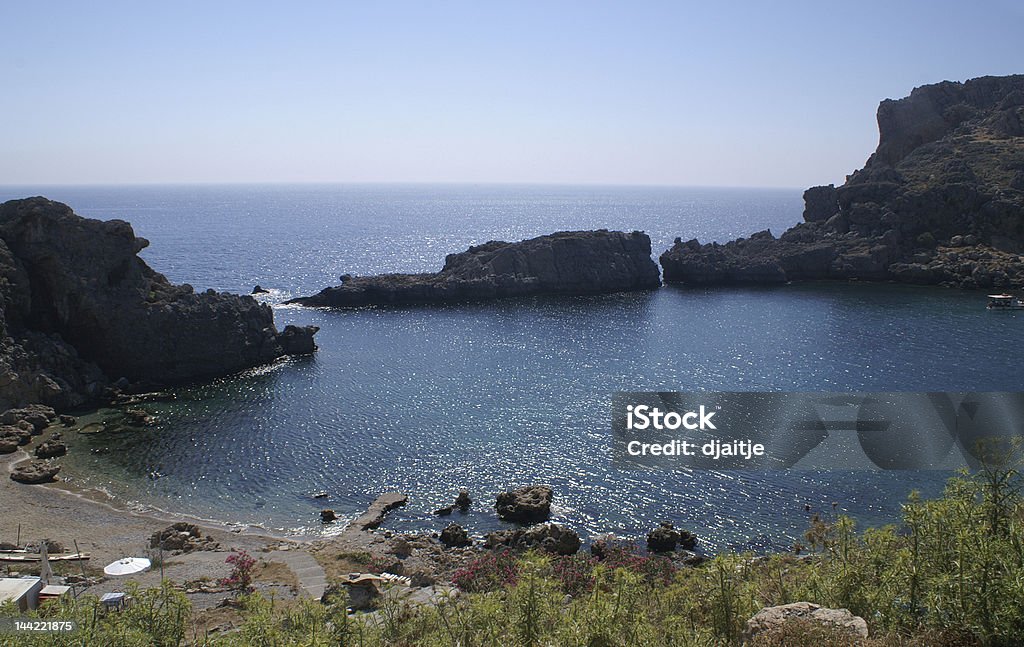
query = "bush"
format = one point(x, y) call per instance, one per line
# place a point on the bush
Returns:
point(488, 572)
point(240, 578)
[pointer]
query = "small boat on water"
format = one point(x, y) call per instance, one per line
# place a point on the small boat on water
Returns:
point(1004, 302)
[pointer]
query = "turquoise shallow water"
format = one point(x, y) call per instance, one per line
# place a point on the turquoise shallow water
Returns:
point(487, 395)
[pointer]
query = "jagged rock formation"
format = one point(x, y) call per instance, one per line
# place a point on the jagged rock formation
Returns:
point(80, 309)
point(941, 201)
point(568, 262)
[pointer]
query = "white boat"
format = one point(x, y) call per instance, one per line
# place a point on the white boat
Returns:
point(1004, 302)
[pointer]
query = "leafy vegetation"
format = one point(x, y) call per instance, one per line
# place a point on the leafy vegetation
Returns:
point(952, 573)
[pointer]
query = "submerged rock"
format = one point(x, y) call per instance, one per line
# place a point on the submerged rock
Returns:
point(569, 262)
point(81, 309)
point(528, 504)
point(941, 201)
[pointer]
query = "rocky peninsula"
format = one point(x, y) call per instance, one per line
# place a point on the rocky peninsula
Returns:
point(82, 311)
point(940, 202)
point(564, 263)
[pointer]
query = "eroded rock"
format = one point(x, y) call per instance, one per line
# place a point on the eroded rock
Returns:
point(772, 619)
point(528, 504)
point(35, 472)
point(551, 537)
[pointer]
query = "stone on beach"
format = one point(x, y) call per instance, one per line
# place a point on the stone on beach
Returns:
point(51, 449)
point(35, 472)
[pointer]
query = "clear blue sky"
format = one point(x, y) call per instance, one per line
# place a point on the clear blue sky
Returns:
point(674, 93)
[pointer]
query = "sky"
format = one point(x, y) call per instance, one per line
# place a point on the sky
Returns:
point(778, 94)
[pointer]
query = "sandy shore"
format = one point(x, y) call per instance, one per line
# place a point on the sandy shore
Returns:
point(59, 512)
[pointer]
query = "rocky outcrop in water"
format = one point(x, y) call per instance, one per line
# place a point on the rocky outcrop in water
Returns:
point(569, 262)
point(528, 504)
point(941, 201)
point(80, 309)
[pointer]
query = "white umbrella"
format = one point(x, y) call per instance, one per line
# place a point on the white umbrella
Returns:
point(127, 566)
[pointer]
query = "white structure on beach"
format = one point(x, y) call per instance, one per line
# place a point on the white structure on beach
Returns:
point(23, 591)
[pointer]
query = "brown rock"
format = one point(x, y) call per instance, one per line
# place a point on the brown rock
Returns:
point(528, 504)
point(51, 449)
point(35, 472)
point(771, 619)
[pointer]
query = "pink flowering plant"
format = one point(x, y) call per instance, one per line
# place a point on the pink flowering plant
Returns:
point(240, 578)
point(488, 572)
point(575, 573)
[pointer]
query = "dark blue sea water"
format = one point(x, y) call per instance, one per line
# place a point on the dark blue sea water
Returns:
point(492, 395)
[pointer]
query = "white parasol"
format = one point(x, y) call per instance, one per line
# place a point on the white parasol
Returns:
point(127, 566)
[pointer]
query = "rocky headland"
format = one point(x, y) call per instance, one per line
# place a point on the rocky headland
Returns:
point(82, 311)
point(940, 202)
point(563, 263)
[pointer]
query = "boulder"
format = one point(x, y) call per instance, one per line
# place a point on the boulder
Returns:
point(181, 535)
point(68, 421)
point(35, 472)
point(528, 504)
point(260, 290)
point(551, 537)
point(37, 415)
point(462, 503)
point(454, 536)
point(665, 539)
point(400, 547)
point(18, 435)
point(51, 449)
point(8, 445)
point(327, 516)
point(298, 340)
point(568, 262)
point(772, 619)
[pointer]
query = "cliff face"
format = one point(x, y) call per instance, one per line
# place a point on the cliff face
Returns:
point(571, 262)
point(81, 309)
point(940, 201)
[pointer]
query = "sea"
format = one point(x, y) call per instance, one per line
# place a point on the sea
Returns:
point(491, 395)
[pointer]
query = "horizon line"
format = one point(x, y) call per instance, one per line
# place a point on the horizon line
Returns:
point(382, 183)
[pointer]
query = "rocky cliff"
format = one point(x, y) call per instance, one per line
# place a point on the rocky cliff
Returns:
point(941, 201)
point(569, 262)
point(80, 309)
